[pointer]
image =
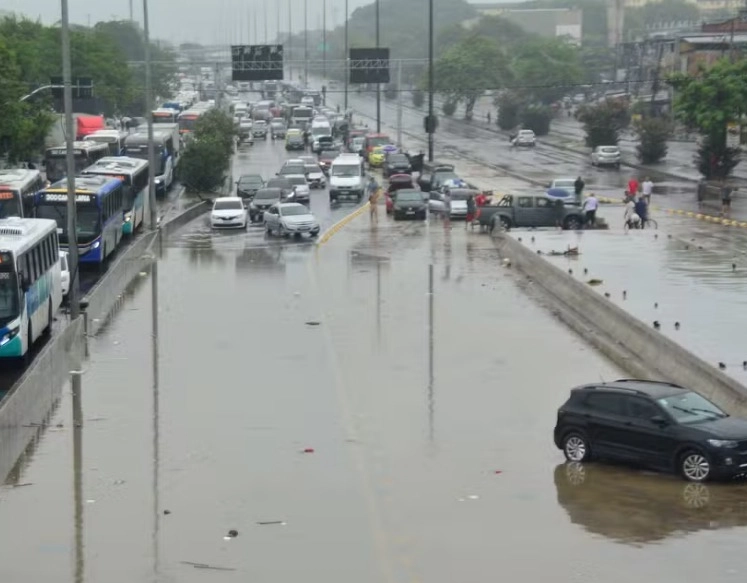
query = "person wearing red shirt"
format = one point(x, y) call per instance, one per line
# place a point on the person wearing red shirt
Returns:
point(633, 186)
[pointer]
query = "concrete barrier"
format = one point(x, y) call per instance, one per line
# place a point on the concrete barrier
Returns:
point(634, 346)
point(29, 404)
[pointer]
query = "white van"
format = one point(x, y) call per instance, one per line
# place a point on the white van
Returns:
point(347, 177)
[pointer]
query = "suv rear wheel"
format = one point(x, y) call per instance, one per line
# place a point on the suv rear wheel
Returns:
point(576, 447)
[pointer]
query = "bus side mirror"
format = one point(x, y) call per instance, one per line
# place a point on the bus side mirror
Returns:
point(24, 282)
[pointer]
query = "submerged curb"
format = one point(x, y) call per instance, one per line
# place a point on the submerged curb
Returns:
point(334, 229)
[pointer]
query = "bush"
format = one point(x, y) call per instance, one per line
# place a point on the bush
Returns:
point(603, 122)
point(508, 111)
point(537, 118)
point(715, 159)
point(418, 97)
point(449, 107)
point(653, 133)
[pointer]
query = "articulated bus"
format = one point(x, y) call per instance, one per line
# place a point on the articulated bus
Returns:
point(85, 153)
point(166, 144)
point(99, 204)
point(18, 188)
point(30, 283)
point(164, 115)
point(134, 176)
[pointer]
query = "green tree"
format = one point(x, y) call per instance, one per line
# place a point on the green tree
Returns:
point(653, 133)
point(206, 160)
point(536, 118)
point(709, 102)
point(509, 107)
point(546, 69)
point(466, 70)
point(603, 122)
point(449, 108)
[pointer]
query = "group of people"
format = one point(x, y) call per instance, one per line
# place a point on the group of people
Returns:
point(637, 199)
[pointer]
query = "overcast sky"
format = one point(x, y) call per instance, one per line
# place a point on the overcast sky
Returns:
point(205, 21)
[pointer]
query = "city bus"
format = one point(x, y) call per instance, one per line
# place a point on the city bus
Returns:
point(114, 138)
point(18, 188)
point(188, 120)
point(30, 283)
point(166, 143)
point(99, 206)
point(164, 115)
point(85, 154)
point(134, 176)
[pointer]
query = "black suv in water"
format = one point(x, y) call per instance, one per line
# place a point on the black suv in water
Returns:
point(655, 424)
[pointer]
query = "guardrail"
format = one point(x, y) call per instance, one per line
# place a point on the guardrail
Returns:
point(627, 341)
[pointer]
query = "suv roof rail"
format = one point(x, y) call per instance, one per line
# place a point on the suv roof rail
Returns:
point(650, 382)
point(607, 386)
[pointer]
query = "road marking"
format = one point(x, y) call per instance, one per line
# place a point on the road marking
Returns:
point(334, 229)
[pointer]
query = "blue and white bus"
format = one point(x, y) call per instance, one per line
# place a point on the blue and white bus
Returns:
point(18, 188)
point(30, 283)
point(134, 175)
point(99, 203)
point(166, 147)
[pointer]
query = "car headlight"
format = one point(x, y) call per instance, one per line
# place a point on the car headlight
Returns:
point(724, 443)
point(96, 245)
point(128, 217)
point(158, 181)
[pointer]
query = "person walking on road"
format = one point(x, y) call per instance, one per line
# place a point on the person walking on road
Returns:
point(591, 204)
point(578, 188)
point(373, 199)
point(488, 116)
point(447, 208)
point(647, 188)
point(726, 192)
point(471, 210)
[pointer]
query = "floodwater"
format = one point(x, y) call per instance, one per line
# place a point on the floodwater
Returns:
point(687, 272)
point(307, 399)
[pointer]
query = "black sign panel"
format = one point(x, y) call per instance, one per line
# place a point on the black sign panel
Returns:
point(369, 66)
point(257, 62)
point(82, 87)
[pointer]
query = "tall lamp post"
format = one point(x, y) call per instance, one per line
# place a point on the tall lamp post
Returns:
point(306, 42)
point(290, 40)
point(324, 39)
point(72, 238)
point(431, 117)
point(347, 61)
point(378, 85)
point(149, 117)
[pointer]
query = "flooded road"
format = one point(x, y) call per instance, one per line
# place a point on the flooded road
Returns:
point(689, 276)
point(291, 396)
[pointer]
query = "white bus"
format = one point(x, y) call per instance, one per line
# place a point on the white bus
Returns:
point(30, 283)
point(18, 188)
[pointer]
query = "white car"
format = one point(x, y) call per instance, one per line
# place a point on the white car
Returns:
point(315, 176)
point(229, 212)
point(301, 190)
point(525, 138)
point(606, 156)
point(65, 269)
point(290, 218)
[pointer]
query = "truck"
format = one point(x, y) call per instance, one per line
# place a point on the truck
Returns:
point(529, 211)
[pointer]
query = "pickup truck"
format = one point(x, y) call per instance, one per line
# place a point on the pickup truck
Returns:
point(529, 211)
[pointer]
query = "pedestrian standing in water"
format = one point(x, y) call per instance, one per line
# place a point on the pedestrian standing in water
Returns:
point(590, 209)
point(578, 189)
point(726, 192)
point(447, 207)
point(488, 117)
point(471, 210)
point(647, 189)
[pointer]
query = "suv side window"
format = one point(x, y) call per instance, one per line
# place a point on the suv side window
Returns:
point(641, 408)
point(606, 403)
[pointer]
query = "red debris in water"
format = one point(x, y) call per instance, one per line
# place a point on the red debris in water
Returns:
point(499, 471)
point(308, 450)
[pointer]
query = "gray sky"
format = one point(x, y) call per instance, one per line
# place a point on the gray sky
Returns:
point(205, 21)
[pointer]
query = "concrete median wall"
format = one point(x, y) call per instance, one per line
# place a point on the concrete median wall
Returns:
point(27, 407)
point(30, 402)
point(631, 344)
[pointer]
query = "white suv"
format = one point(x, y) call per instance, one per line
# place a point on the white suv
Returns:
point(606, 156)
point(525, 138)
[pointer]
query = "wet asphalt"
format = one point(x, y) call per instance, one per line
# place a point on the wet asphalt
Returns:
point(291, 396)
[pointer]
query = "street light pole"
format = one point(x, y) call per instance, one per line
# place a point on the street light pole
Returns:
point(306, 42)
point(149, 117)
point(378, 85)
point(72, 238)
point(347, 60)
point(324, 39)
point(431, 117)
point(290, 41)
point(267, 36)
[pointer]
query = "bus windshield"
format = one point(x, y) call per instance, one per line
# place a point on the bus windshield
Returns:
point(10, 204)
point(88, 219)
point(188, 123)
point(56, 166)
point(9, 303)
point(140, 151)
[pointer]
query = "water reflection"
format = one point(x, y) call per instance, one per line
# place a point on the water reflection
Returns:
point(636, 508)
point(266, 259)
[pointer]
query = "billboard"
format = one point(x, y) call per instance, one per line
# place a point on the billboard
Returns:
point(257, 62)
point(369, 66)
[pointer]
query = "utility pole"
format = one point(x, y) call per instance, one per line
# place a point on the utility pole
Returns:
point(347, 56)
point(149, 117)
point(431, 118)
point(277, 22)
point(306, 42)
point(399, 103)
point(264, 11)
point(324, 39)
point(132, 18)
point(72, 238)
point(378, 85)
point(290, 41)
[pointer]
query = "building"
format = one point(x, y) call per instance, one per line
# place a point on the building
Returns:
point(547, 22)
